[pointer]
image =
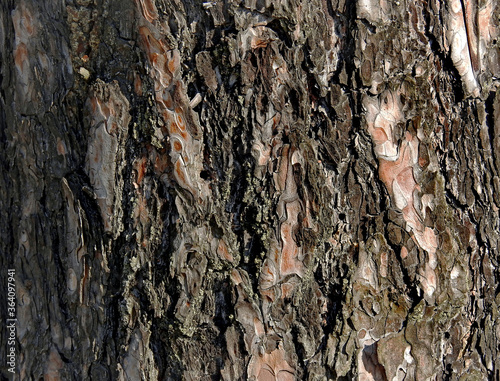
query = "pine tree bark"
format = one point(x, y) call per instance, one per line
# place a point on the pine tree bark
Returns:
point(251, 190)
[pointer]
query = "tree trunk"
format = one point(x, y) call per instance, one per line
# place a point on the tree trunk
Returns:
point(250, 190)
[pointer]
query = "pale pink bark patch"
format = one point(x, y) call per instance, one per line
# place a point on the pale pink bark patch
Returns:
point(384, 263)
point(458, 40)
point(428, 280)
point(486, 24)
point(53, 366)
point(427, 240)
point(396, 170)
point(271, 366)
point(287, 290)
point(261, 153)
point(404, 252)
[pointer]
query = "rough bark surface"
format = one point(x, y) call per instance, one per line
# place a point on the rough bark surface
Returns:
point(251, 190)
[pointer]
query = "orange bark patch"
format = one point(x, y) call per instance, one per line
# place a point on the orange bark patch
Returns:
point(27, 21)
point(379, 136)
point(140, 167)
point(173, 61)
point(23, 22)
point(267, 275)
point(179, 171)
point(167, 117)
point(149, 10)
point(268, 279)
point(180, 175)
point(423, 161)
point(166, 99)
point(176, 133)
point(177, 145)
point(161, 163)
point(138, 85)
point(289, 256)
point(269, 294)
point(53, 365)
point(172, 67)
point(20, 56)
point(113, 127)
point(100, 108)
point(223, 252)
point(60, 147)
point(94, 104)
point(179, 118)
point(276, 120)
point(152, 44)
point(159, 62)
point(289, 263)
point(236, 277)
point(173, 129)
point(286, 290)
point(258, 42)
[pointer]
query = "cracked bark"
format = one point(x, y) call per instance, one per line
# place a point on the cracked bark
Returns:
point(251, 189)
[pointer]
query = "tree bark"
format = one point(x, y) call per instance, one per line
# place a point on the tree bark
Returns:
point(250, 190)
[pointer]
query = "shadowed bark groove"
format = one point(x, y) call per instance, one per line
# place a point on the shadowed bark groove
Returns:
point(251, 190)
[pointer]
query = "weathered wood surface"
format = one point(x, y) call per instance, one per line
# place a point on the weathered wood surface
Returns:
point(261, 190)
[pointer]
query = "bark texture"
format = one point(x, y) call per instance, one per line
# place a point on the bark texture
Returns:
point(251, 189)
